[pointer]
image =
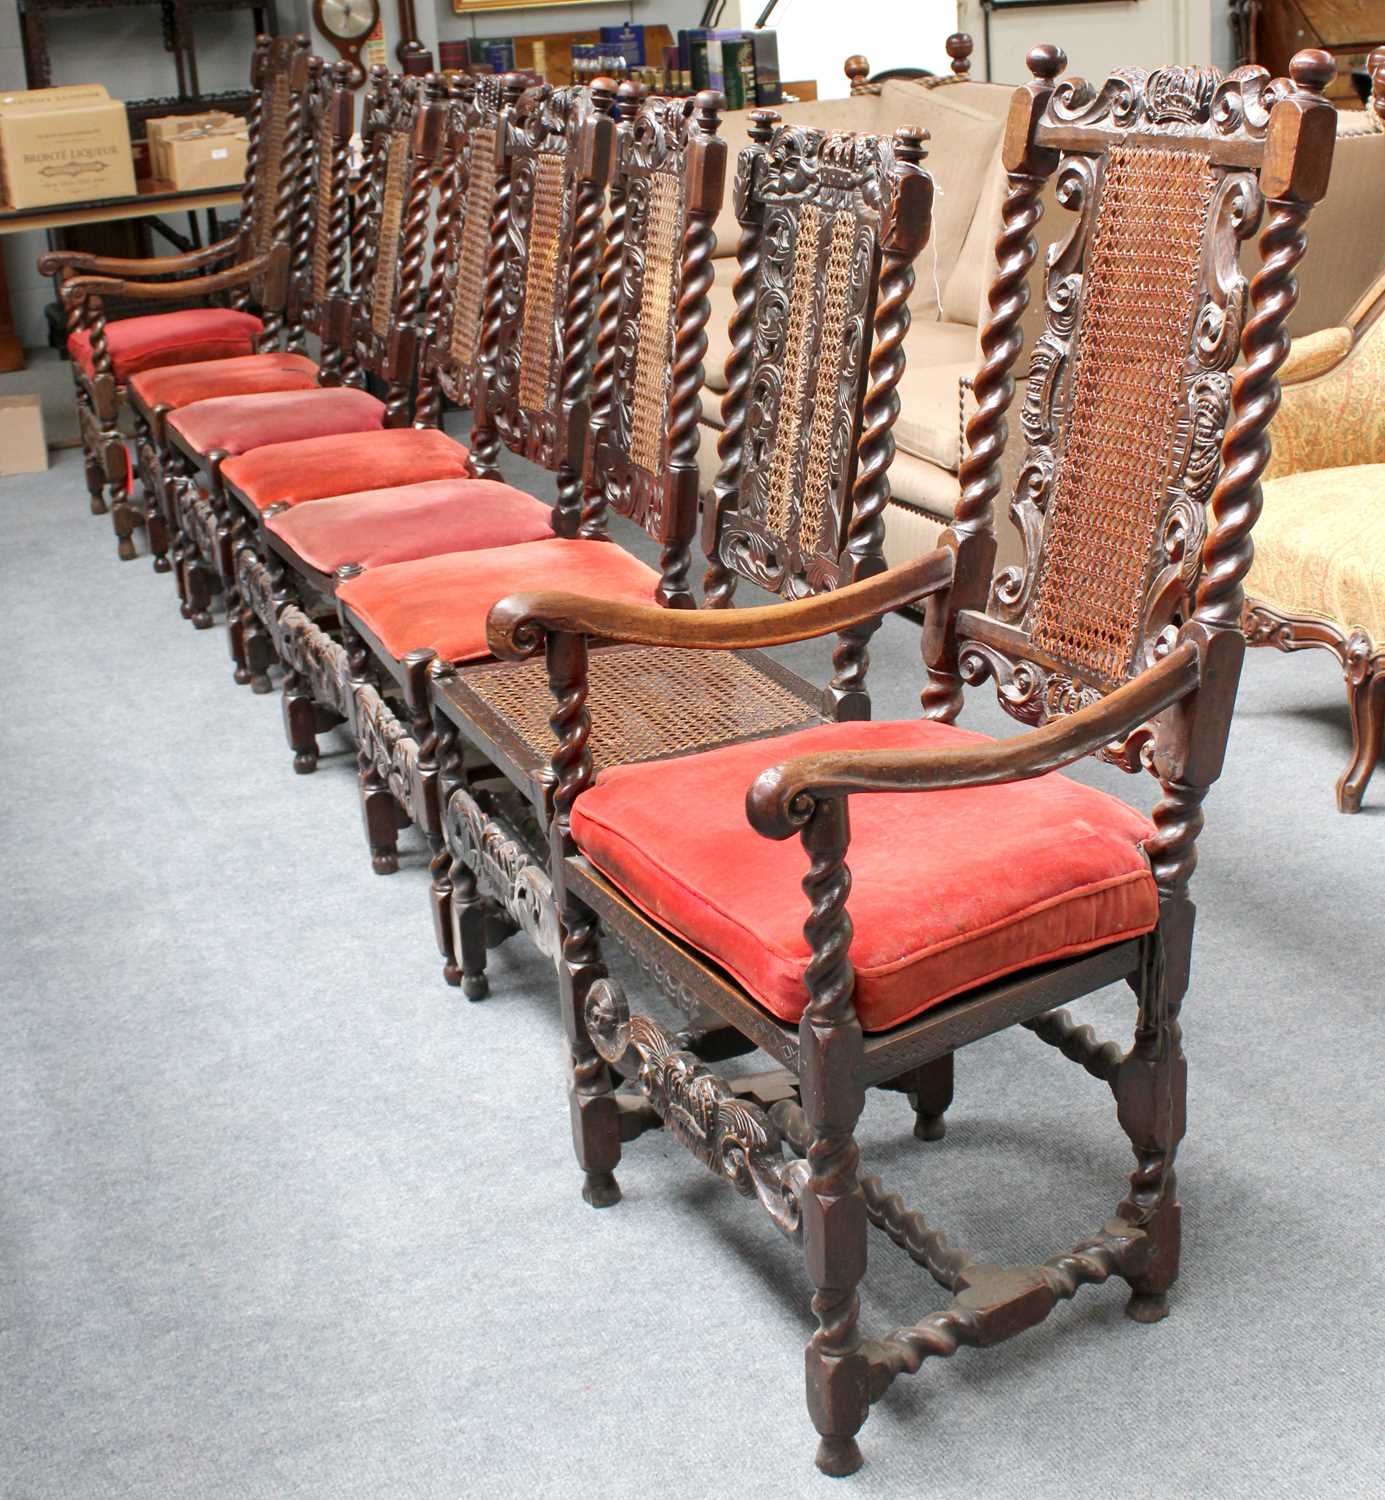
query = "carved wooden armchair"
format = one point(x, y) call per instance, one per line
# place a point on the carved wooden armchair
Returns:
point(312, 221)
point(106, 356)
point(277, 449)
point(1319, 574)
point(968, 890)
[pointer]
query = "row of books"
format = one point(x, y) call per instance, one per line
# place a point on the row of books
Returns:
point(742, 65)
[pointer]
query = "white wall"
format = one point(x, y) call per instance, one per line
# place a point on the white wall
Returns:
point(817, 36)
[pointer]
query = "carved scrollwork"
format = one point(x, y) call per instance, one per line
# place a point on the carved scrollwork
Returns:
point(1179, 100)
point(1030, 692)
point(1014, 586)
point(1037, 415)
point(732, 1137)
point(504, 867)
point(383, 740)
point(307, 649)
point(257, 590)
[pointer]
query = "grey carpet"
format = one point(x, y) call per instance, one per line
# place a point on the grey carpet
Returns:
point(281, 1216)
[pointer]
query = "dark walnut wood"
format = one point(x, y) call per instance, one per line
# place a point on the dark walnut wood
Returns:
point(1118, 635)
point(279, 79)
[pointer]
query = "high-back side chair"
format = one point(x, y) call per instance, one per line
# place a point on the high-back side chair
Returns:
point(296, 445)
point(969, 889)
point(311, 219)
point(831, 227)
point(105, 356)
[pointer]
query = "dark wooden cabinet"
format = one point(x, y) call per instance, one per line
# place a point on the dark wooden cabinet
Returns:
point(1271, 31)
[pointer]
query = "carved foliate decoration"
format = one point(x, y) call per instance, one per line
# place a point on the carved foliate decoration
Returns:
point(1128, 393)
point(307, 649)
point(821, 200)
point(385, 742)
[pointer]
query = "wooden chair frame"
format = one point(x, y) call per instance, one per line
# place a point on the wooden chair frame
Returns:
point(1164, 702)
point(279, 77)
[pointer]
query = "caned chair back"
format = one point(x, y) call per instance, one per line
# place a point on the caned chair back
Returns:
point(666, 190)
point(403, 125)
point(542, 280)
point(1130, 392)
point(322, 226)
point(830, 226)
point(279, 83)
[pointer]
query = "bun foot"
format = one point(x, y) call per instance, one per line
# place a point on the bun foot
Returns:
point(839, 1457)
point(162, 565)
point(242, 675)
point(930, 1127)
point(125, 549)
point(385, 863)
point(601, 1189)
point(452, 973)
point(475, 986)
point(1148, 1307)
point(260, 683)
point(202, 620)
point(305, 762)
point(98, 505)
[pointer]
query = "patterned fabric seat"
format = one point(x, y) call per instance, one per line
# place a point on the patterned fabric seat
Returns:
point(236, 424)
point(186, 337)
point(291, 473)
point(378, 527)
point(1060, 871)
point(247, 375)
point(1320, 547)
point(443, 602)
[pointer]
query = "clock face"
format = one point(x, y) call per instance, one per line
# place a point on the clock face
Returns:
point(348, 19)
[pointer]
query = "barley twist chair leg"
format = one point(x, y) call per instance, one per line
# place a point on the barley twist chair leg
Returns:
point(595, 1118)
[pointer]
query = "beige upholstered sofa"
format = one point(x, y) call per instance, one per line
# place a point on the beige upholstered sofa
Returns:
point(965, 121)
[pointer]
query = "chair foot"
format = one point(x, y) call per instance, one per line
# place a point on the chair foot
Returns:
point(241, 675)
point(125, 548)
point(601, 1189)
point(305, 762)
point(929, 1127)
point(1147, 1307)
point(260, 683)
point(452, 973)
point(162, 564)
point(384, 861)
point(98, 505)
point(477, 987)
point(838, 1457)
point(201, 620)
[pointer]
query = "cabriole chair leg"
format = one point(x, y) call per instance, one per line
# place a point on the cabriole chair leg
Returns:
point(1366, 692)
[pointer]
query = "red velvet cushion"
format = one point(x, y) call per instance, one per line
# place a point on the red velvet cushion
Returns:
point(176, 338)
point(181, 385)
point(442, 602)
point(236, 424)
point(949, 889)
point(290, 473)
point(377, 527)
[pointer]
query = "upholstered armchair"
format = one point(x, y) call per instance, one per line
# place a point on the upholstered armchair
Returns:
point(1319, 573)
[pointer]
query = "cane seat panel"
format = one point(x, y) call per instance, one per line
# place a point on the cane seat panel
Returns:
point(1061, 871)
point(646, 702)
point(315, 468)
point(236, 424)
point(249, 375)
point(185, 337)
point(443, 602)
point(406, 522)
point(1320, 547)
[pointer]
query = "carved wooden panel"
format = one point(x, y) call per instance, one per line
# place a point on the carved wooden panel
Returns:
point(1129, 384)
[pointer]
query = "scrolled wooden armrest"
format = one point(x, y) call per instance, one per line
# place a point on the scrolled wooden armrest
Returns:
point(782, 798)
point(78, 288)
point(517, 625)
point(54, 262)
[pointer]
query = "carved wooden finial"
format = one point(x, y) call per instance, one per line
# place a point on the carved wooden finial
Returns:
point(708, 105)
point(959, 46)
point(628, 97)
point(857, 70)
point(1313, 69)
point(911, 144)
point(1046, 61)
point(511, 87)
point(762, 123)
point(603, 94)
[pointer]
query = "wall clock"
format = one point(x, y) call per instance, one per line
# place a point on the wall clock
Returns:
point(347, 24)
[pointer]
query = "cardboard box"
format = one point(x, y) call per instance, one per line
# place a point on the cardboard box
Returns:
point(23, 447)
point(159, 129)
point(208, 158)
point(55, 154)
point(59, 96)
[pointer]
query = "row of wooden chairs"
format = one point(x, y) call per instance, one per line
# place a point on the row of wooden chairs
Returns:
point(592, 755)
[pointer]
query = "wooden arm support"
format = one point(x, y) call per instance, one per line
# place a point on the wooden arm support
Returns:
point(78, 288)
point(783, 798)
point(517, 625)
point(55, 262)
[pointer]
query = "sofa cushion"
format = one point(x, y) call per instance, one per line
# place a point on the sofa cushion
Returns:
point(969, 279)
point(443, 602)
point(236, 424)
point(1337, 417)
point(1320, 547)
point(721, 295)
point(250, 374)
point(292, 473)
point(175, 338)
point(1058, 870)
point(938, 357)
point(376, 527)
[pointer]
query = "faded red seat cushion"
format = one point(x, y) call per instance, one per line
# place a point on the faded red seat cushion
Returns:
point(291, 473)
point(949, 889)
point(175, 338)
point(443, 602)
point(248, 375)
point(376, 527)
point(236, 424)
